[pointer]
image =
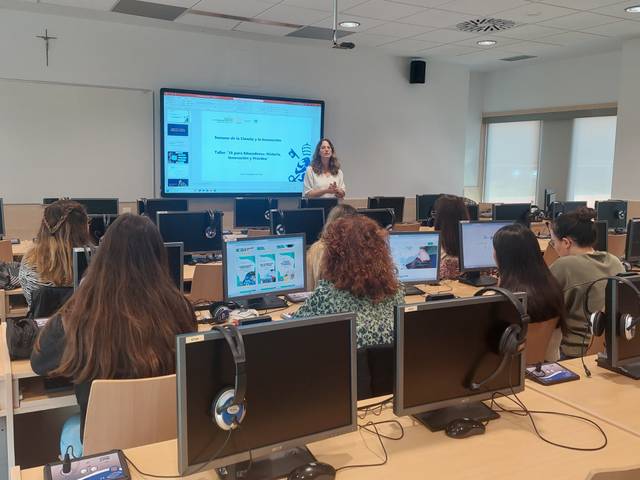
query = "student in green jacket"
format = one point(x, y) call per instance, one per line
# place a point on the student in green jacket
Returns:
point(573, 236)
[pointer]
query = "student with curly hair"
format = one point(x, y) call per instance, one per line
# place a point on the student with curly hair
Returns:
point(358, 275)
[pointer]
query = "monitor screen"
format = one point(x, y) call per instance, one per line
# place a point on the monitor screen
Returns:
point(261, 266)
point(517, 212)
point(150, 206)
point(81, 260)
point(198, 231)
point(175, 259)
point(621, 299)
point(326, 204)
point(633, 241)
point(253, 212)
point(382, 216)
point(476, 245)
point(549, 197)
point(614, 212)
point(602, 236)
point(3, 232)
point(98, 226)
point(395, 203)
point(309, 221)
point(300, 387)
point(425, 205)
point(441, 347)
point(99, 206)
point(416, 256)
point(229, 144)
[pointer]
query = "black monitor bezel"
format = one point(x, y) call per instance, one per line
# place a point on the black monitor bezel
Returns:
point(187, 252)
point(628, 257)
point(283, 213)
point(418, 197)
point(622, 223)
point(364, 211)
point(461, 256)
point(398, 234)
point(165, 194)
point(273, 205)
point(613, 324)
point(496, 206)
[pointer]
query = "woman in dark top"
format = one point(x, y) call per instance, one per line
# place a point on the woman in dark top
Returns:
point(522, 269)
point(123, 319)
point(449, 211)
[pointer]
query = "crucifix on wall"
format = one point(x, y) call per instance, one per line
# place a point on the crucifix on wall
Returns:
point(46, 39)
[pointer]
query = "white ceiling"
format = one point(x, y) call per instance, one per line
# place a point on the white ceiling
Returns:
point(426, 28)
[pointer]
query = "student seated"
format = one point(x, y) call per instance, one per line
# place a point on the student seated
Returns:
point(573, 236)
point(64, 226)
point(316, 251)
point(122, 320)
point(358, 275)
point(449, 211)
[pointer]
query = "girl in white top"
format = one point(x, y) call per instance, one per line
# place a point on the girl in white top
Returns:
point(323, 177)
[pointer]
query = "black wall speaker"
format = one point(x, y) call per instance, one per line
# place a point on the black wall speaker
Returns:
point(418, 71)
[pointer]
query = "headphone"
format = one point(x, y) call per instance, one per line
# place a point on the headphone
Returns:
point(220, 311)
point(279, 228)
point(513, 338)
point(211, 231)
point(597, 320)
point(228, 407)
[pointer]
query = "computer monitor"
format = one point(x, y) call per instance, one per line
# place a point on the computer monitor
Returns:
point(416, 256)
point(614, 212)
point(549, 197)
point(622, 340)
point(99, 206)
point(309, 221)
point(250, 212)
point(3, 231)
point(562, 208)
point(98, 226)
point(602, 236)
point(175, 259)
point(474, 212)
point(632, 248)
point(150, 206)
point(200, 232)
point(382, 216)
point(257, 269)
point(516, 212)
point(476, 251)
point(425, 205)
point(327, 204)
point(395, 203)
point(300, 388)
point(442, 347)
point(49, 200)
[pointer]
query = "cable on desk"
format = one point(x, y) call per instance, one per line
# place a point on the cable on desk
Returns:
point(367, 427)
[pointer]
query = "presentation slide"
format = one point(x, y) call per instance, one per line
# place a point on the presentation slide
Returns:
point(219, 144)
point(477, 244)
point(264, 266)
point(416, 256)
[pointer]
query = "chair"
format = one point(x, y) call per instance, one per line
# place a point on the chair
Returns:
point(627, 473)
point(207, 283)
point(130, 413)
point(406, 227)
point(538, 338)
point(6, 251)
point(46, 300)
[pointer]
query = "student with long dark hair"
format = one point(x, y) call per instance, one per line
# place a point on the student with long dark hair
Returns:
point(449, 211)
point(573, 236)
point(522, 269)
point(122, 320)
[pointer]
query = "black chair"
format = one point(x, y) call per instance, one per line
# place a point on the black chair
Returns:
point(45, 301)
point(376, 371)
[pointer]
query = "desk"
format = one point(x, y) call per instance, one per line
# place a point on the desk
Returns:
point(21, 248)
point(606, 395)
point(509, 450)
point(29, 394)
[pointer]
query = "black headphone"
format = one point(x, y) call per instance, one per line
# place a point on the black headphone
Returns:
point(597, 320)
point(280, 228)
point(220, 311)
point(211, 231)
point(512, 340)
point(228, 407)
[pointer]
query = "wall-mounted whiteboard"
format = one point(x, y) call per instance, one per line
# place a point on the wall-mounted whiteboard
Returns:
point(74, 141)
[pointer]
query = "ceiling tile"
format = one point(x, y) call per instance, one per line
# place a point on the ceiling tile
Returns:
point(617, 29)
point(535, 48)
point(502, 42)
point(264, 29)
point(289, 14)
point(534, 13)
point(528, 32)
point(365, 23)
point(207, 21)
point(445, 36)
point(92, 4)
point(421, 3)
point(448, 51)
point(580, 4)
point(617, 10)
point(482, 7)
point(370, 39)
point(245, 8)
point(437, 18)
point(177, 3)
point(324, 5)
point(384, 10)
point(400, 30)
point(407, 46)
point(579, 21)
point(572, 38)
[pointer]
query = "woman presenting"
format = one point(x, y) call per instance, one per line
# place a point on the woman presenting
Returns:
point(323, 177)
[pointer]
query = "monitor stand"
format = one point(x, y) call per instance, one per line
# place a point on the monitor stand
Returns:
point(437, 420)
point(477, 280)
point(263, 303)
point(412, 290)
point(278, 465)
point(631, 370)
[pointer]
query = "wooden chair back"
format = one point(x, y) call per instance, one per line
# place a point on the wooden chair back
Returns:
point(207, 283)
point(538, 338)
point(6, 252)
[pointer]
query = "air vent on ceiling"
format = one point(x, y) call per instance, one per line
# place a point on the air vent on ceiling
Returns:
point(317, 33)
point(518, 58)
point(482, 25)
point(148, 9)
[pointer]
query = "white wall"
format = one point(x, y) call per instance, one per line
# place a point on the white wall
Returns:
point(392, 137)
point(576, 81)
point(473, 137)
point(626, 167)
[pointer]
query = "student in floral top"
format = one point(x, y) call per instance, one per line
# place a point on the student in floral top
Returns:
point(358, 276)
point(449, 211)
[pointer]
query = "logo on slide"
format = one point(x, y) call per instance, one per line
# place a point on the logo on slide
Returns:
point(303, 162)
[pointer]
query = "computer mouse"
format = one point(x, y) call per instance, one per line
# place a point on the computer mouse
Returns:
point(463, 428)
point(313, 471)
